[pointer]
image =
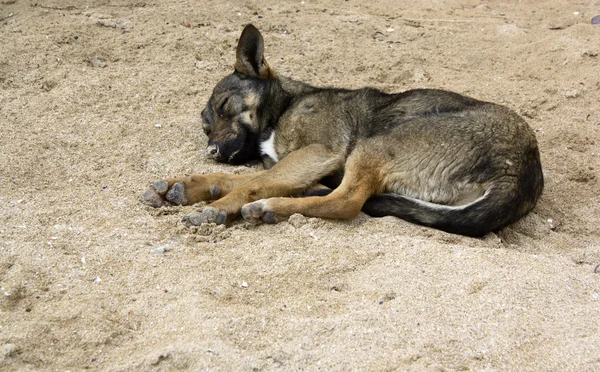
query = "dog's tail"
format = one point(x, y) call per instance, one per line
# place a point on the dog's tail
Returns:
point(492, 211)
point(487, 213)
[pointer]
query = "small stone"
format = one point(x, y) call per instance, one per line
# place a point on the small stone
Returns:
point(97, 279)
point(420, 76)
point(7, 350)
point(158, 125)
point(162, 249)
point(572, 93)
point(97, 62)
point(244, 285)
point(297, 220)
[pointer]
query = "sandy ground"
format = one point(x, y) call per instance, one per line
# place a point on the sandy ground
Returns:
point(100, 98)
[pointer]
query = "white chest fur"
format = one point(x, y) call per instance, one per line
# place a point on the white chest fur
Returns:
point(268, 148)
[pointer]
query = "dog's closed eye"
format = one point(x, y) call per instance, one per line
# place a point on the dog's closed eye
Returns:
point(222, 107)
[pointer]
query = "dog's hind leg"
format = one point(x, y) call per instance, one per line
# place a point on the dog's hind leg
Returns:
point(361, 180)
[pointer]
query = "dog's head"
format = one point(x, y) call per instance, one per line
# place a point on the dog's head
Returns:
point(232, 119)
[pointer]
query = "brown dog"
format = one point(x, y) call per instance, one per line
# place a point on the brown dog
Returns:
point(431, 157)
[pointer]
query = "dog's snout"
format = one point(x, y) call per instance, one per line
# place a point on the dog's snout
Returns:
point(212, 151)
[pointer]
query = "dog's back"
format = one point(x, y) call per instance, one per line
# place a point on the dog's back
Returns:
point(450, 162)
point(465, 170)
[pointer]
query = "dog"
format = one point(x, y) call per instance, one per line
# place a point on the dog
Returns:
point(430, 157)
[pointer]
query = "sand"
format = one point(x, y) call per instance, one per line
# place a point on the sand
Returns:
point(100, 98)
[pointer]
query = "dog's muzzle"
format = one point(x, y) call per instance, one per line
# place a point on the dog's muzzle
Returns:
point(212, 151)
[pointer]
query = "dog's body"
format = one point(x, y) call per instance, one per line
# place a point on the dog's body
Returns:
point(428, 156)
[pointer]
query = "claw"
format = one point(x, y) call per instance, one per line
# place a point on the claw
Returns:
point(160, 186)
point(176, 194)
point(246, 213)
point(215, 191)
point(154, 195)
point(257, 212)
point(207, 215)
point(269, 217)
point(210, 213)
point(195, 219)
point(221, 218)
point(251, 212)
point(151, 198)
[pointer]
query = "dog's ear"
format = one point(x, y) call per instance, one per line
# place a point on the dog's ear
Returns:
point(250, 59)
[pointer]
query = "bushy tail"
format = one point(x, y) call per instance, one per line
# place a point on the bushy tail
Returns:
point(504, 202)
point(491, 211)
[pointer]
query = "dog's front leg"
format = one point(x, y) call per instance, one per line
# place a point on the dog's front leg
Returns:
point(194, 189)
point(294, 174)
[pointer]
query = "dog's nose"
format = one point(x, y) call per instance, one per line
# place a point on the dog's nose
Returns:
point(212, 151)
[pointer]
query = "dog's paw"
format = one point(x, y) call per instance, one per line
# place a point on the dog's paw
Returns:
point(160, 194)
point(206, 215)
point(258, 211)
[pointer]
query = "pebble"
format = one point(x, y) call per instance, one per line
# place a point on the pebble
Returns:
point(7, 350)
point(97, 62)
point(158, 125)
point(297, 220)
point(244, 285)
point(571, 93)
point(97, 279)
point(162, 249)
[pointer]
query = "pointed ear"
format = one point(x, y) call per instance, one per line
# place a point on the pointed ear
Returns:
point(250, 59)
